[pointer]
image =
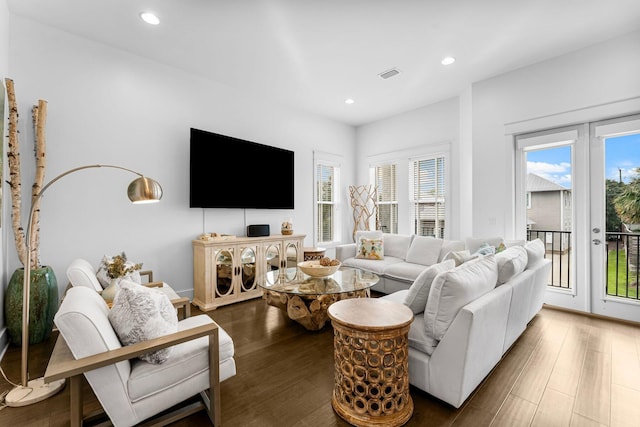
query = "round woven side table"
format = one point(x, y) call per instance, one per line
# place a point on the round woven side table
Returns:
point(371, 357)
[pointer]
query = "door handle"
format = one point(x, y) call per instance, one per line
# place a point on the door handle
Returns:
point(596, 230)
point(596, 241)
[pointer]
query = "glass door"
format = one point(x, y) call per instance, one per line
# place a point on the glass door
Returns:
point(550, 200)
point(615, 217)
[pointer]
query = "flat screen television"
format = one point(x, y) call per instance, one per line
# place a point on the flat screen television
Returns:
point(228, 172)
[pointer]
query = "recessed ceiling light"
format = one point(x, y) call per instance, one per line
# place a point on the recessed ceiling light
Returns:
point(149, 18)
point(349, 101)
point(448, 60)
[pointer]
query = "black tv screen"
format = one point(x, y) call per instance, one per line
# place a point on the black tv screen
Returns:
point(228, 172)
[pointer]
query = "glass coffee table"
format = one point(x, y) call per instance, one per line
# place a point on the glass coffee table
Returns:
point(306, 299)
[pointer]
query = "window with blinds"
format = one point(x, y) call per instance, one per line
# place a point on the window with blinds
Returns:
point(427, 196)
point(327, 177)
point(387, 186)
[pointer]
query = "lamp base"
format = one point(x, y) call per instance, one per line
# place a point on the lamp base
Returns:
point(36, 391)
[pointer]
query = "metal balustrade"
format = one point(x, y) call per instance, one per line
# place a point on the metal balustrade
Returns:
point(558, 247)
point(622, 261)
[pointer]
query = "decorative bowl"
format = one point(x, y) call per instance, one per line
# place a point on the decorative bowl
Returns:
point(314, 269)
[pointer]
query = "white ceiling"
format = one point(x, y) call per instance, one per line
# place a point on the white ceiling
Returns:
point(313, 54)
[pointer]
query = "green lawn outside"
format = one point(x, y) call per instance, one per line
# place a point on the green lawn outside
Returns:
point(622, 276)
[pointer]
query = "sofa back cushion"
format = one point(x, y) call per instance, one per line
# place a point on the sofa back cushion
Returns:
point(511, 262)
point(453, 289)
point(424, 250)
point(450, 246)
point(460, 257)
point(473, 244)
point(396, 245)
point(535, 252)
point(416, 298)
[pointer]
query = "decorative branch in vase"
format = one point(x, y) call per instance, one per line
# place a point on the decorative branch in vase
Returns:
point(44, 286)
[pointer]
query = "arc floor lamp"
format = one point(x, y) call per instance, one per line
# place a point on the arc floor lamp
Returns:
point(140, 190)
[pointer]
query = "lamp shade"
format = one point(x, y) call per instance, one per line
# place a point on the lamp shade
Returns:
point(144, 190)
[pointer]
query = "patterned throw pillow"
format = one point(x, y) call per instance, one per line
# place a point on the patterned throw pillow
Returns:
point(139, 314)
point(370, 249)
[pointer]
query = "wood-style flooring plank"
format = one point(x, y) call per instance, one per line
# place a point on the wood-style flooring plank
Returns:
point(491, 393)
point(566, 371)
point(593, 399)
point(625, 406)
point(555, 410)
point(625, 363)
point(580, 421)
point(531, 384)
point(515, 412)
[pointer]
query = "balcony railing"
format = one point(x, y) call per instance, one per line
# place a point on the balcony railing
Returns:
point(623, 261)
point(623, 258)
point(559, 251)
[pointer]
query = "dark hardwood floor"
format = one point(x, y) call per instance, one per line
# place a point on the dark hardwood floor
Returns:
point(565, 370)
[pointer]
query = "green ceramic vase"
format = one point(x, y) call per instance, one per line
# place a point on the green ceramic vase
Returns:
point(43, 304)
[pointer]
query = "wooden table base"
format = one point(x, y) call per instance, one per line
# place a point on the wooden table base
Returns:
point(309, 310)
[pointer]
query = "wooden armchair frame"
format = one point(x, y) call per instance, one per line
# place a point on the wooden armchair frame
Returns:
point(63, 365)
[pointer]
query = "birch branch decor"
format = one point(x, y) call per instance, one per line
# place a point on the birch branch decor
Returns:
point(39, 114)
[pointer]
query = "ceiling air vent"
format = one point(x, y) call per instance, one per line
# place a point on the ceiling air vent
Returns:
point(389, 73)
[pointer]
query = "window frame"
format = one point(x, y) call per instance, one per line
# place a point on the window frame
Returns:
point(335, 162)
point(433, 155)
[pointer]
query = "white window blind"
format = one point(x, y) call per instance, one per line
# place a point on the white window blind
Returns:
point(327, 184)
point(386, 183)
point(427, 193)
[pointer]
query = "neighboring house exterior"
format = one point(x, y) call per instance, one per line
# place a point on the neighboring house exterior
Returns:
point(549, 208)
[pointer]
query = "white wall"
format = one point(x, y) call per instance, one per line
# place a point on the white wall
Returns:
point(107, 106)
point(601, 74)
point(475, 123)
point(414, 132)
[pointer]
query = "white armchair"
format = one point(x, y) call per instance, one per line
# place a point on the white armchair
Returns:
point(129, 389)
point(81, 273)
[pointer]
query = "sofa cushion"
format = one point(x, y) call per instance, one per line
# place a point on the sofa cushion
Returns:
point(404, 271)
point(416, 298)
point(187, 360)
point(450, 246)
point(472, 244)
point(453, 289)
point(396, 245)
point(460, 257)
point(418, 337)
point(511, 262)
point(375, 266)
point(424, 250)
point(370, 249)
point(535, 252)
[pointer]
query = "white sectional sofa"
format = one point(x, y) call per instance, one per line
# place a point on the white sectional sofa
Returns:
point(467, 317)
point(404, 257)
